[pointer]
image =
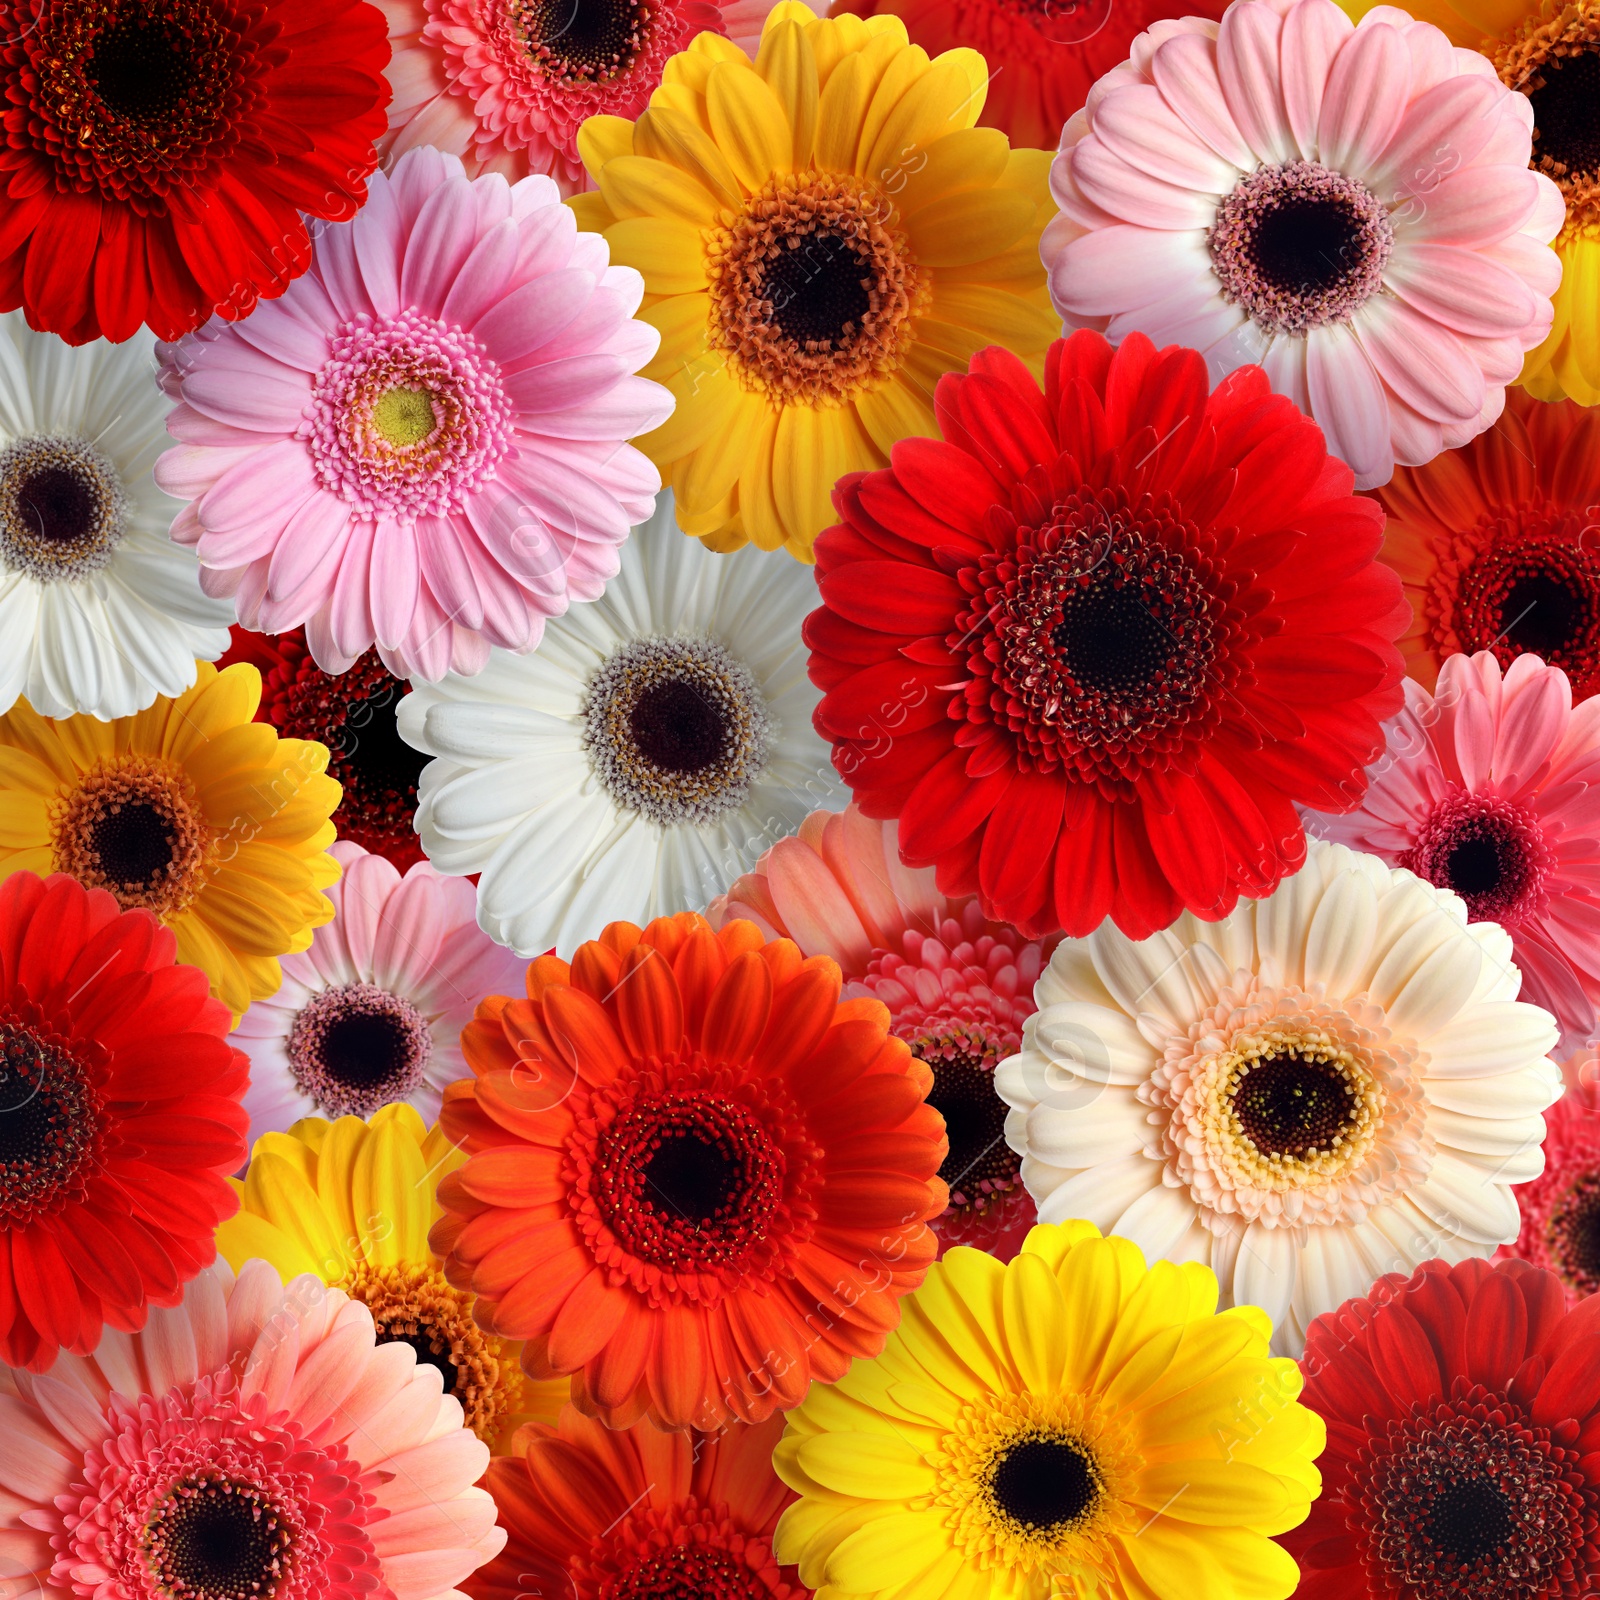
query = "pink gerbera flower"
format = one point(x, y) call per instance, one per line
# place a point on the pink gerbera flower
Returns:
point(1561, 1207)
point(373, 1011)
point(958, 989)
point(1349, 206)
point(1490, 786)
point(506, 84)
point(253, 1441)
point(421, 444)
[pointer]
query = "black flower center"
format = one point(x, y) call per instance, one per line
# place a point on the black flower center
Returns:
point(1045, 1483)
point(677, 728)
point(1111, 639)
point(1293, 1103)
point(49, 1124)
point(60, 506)
point(819, 288)
point(357, 1047)
point(1470, 1519)
point(1573, 1233)
point(1490, 853)
point(583, 41)
point(1566, 111)
point(691, 1175)
point(1544, 613)
point(140, 69)
point(134, 844)
point(1474, 866)
point(364, 1048)
point(432, 1350)
point(1308, 246)
point(975, 1122)
point(214, 1539)
point(371, 750)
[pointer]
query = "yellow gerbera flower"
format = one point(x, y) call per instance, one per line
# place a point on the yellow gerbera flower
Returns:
point(1550, 51)
point(188, 809)
point(351, 1202)
point(822, 233)
point(1069, 1423)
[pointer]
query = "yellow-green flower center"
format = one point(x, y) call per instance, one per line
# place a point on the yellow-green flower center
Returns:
point(404, 416)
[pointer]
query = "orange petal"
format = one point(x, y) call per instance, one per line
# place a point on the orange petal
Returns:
point(740, 1007)
point(649, 1007)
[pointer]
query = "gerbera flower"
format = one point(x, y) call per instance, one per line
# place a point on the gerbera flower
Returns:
point(958, 989)
point(1357, 216)
point(220, 828)
point(822, 234)
point(589, 1512)
point(652, 747)
point(353, 714)
point(120, 1097)
point(99, 611)
point(1461, 1411)
point(256, 1441)
point(1488, 787)
point(1547, 52)
point(157, 160)
point(422, 443)
point(1561, 1207)
point(1070, 1423)
point(506, 84)
point(1043, 55)
point(1092, 648)
point(373, 1011)
point(1328, 1082)
point(350, 1203)
point(696, 1181)
point(1498, 544)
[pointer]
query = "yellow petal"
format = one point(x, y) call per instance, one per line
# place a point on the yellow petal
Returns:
point(391, 1192)
point(887, 1551)
point(668, 254)
point(248, 1237)
point(591, 210)
point(713, 468)
point(706, 401)
point(1214, 1494)
point(789, 69)
point(903, 66)
point(969, 158)
point(1023, 325)
point(276, 1191)
point(1036, 1323)
point(812, 450)
point(342, 1142)
point(945, 99)
point(748, 123)
point(839, 112)
point(969, 225)
point(869, 1466)
point(757, 507)
point(1220, 1564)
point(669, 135)
point(24, 820)
point(637, 186)
point(223, 701)
point(602, 139)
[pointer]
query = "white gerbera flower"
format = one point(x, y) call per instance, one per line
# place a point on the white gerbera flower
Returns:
point(99, 611)
point(657, 741)
point(1332, 1083)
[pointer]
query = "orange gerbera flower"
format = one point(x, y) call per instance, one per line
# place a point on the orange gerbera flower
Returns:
point(590, 1512)
point(697, 1181)
point(1498, 544)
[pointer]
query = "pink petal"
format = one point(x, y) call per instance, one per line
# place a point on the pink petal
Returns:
point(1185, 70)
point(1442, 131)
point(1347, 401)
point(439, 242)
point(263, 396)
point(564, 384)
point(447, 571)
point(1124, 268)
point(394, 579)
point(310, 549)
point(408, 935)
point(1134, 196)
point(549, 236)
point(349, 615)
point(530, 316)
point(264, 491)
point(631, 407)
point(284, 329)
point(1365, 98)
point(1137, 124)
point(379, 242)
point(1247, 65)
point(1462, 290)
point(484, 276)
point(1536, 701)
point(814, 907)
point(1477, 206)
point(1421, 361)
point(340, 275)
point(1312, 36)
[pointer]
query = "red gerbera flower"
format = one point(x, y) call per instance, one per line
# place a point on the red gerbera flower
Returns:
point(120, 1118)
point(353, 714)
point(1093, 647)
point(637, 1514)
point(157, 159)
point(697, 1181)
point(1043, 55)
point(1463, 1415)
point(1561, 1207)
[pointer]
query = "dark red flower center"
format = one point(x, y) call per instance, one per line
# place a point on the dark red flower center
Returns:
point(980, 1165)
point(1464, 1499)
point(1101, 641)
point(1572, 1234)
point(51, 1122)
point(1292, 1104)
point(134, 99)
point(1525, 585)
point(583, 41)
point(684, 1552)
point(1490, 852)
point(357, 1047)
point(216, 1539)
point(353, 714)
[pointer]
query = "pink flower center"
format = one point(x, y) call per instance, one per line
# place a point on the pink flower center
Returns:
point(210, 1496)
point(357, 1047)
point(1491, 852)
point(409, 416)
point(1299, 246)
point(582, 41)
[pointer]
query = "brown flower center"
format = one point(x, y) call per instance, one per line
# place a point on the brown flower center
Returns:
point(62, 508)
point(134, 826)
point(813, 289)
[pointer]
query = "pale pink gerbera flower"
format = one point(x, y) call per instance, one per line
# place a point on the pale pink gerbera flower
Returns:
point(958, 989)
point(373, 1011)
point(421, 444)
point(1348, 205)
point(1490, 786)
point(506, 84)
point(253, 1441)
